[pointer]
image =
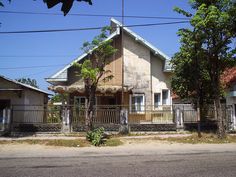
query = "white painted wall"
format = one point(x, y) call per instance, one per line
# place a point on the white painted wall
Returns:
point(137, 72)
point(143, 71)
point(231, 101)
point(160, 79)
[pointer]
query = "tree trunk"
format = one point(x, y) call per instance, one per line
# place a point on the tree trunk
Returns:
point(220, 119)
point(198, 118)
point(221, 132)
point(90, 107)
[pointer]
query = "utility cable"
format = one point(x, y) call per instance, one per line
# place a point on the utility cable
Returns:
point(89, 28)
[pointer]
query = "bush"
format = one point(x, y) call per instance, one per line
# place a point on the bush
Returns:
point(96, 136)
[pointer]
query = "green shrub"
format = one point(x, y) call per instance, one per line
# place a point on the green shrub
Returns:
point(96, 136)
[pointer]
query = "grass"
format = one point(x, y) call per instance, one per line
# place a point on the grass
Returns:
point(207, 138)
point(113, 142)
point(56, 142)
point(63, 143)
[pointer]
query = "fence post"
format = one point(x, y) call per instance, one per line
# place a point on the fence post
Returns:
point(65, 119)
point(124, 127)
point(179, 119)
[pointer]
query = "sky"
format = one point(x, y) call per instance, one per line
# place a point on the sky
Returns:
point(40, 55)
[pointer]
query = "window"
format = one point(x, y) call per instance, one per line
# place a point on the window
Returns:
point(137, 103)
point(157, 99)
point(165, 97)
point(80, 101)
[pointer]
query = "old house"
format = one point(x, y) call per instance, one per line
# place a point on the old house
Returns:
point(142, 74)
point(18, 100)
point(228, 79)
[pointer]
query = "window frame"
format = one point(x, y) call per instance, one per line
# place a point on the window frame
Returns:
point(160, 100)
point(135, 111)
point(167, 99)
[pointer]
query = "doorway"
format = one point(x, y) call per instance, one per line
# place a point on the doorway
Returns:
point(3, 105)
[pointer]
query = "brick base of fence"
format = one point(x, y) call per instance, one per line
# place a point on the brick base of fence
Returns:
point(107, 127)
point(36, 128)
point(152, 127)
point(205, 126)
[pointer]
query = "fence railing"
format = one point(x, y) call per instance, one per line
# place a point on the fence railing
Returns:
point(103, 115)
point(109, 114)
point(36, 114)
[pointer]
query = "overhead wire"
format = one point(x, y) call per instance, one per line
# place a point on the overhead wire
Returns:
point(93, 15)
point(30, 67)
point(89, 28)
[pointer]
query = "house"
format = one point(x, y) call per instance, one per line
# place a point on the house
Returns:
point(142, 74)
point(229, 82)
point(18, 100)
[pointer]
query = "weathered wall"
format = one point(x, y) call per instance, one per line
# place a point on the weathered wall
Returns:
point(16, 97)
point(137, 72)
point(160, 79)
point(23, 102)
point(115, 66)
point(73, 76)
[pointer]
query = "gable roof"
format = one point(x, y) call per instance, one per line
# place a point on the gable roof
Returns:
point(228, 77)
point(24, 85)
point(61, 75)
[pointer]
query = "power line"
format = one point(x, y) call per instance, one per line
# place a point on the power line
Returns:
point(89, 28)
point(95, 15)
point(44, 71)
point(31, 67)
point(35, 56)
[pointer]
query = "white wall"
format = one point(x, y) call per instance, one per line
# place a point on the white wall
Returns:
point(137, 68)
point(160, 79)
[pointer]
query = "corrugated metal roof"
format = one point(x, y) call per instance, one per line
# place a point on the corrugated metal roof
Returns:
point(25, 85)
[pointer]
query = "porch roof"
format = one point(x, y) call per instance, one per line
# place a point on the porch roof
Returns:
point(81, 89)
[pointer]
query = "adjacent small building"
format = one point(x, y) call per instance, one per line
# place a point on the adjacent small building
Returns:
point(18, 100)
point(229, 81)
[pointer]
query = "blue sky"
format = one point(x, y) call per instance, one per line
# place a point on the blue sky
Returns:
point(43, 49)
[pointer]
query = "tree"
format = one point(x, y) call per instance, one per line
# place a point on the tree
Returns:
point(92, 70)
point(57, 98)
point(66, 4)
point(28, 81)
point(206, 50)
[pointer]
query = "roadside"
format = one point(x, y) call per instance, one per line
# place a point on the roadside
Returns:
point(128, 148)
point(79, 140)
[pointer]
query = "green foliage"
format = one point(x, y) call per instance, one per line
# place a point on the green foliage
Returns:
point(28, 81)
point(183, 12)
point(92, 69)
point(57, 98)
point(96, 136)
point(99, 52)
point(206, 49)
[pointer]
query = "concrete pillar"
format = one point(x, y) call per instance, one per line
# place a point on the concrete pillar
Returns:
point(65, 120)
point(179, 119)
point(124, 127)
